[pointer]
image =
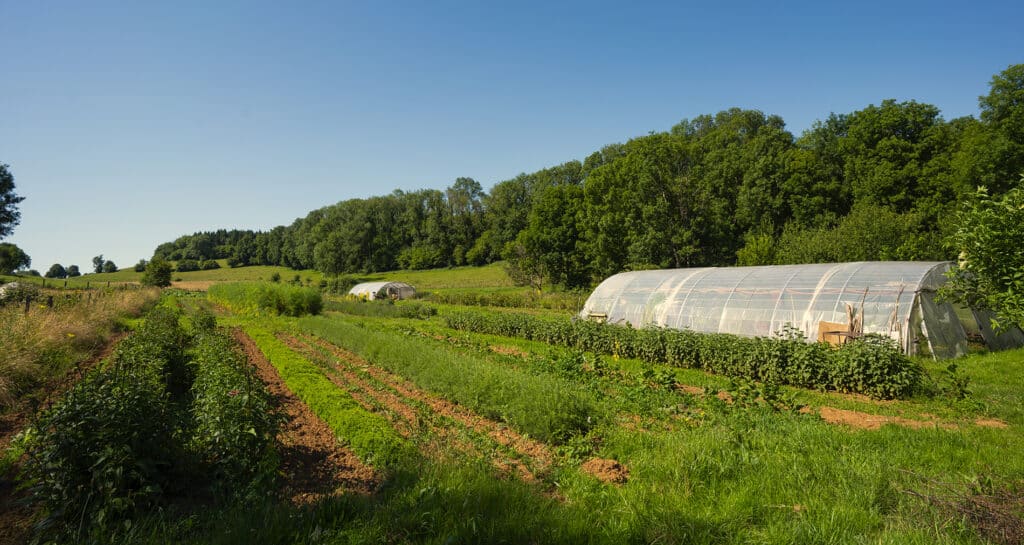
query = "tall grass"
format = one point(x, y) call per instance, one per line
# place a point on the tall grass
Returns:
point(46, 341)
point(260, 299)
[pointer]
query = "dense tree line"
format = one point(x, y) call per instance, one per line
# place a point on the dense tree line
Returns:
point(731, 188)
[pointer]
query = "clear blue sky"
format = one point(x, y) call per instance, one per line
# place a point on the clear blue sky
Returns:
point(127, 124)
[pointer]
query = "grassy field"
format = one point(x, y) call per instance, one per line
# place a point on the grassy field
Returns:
point(488, 439)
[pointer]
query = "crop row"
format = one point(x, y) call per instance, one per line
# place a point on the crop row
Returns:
point(547, 408)
point(162, 417)
point(369, 435)
point(872, 365)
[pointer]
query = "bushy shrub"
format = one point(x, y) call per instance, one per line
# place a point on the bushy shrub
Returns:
point(187, 265)
point(209, 265)
point(18, 292)
point(869, 366)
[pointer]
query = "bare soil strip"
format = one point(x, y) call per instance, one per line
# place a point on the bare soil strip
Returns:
point(536, 453)
point(314, 465)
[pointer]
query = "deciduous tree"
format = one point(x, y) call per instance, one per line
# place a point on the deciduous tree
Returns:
point(12, 258)
point(990, 272)
point(9, 214)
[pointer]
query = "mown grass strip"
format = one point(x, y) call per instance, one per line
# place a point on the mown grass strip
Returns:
point(369, 435)
point(547, 408)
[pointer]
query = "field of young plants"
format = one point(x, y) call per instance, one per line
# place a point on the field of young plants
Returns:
point(467, 423)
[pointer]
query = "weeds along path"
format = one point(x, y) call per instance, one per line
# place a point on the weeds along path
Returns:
point(313, 463)
point(439, 422)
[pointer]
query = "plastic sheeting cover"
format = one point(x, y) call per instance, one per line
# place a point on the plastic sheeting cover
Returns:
point(760, 301)
point(374, 290)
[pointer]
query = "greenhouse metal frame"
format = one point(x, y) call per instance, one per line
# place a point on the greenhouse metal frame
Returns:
point(831, 302)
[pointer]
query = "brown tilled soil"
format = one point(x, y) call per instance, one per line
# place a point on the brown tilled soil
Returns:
point(313, 464)
point(863, 420)
point(539, 454)
point(608, 471)
point(867, 421)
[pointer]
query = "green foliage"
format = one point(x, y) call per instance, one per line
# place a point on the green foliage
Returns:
point(107, 451)
point(869, 366)
point(990, 273)
point(209, 265)
point(260, 299)
point(868, 233)
point(18, 292)
point(233, 420)
point(552, 410)
point(186, 265)
point(13, 258)
point(73, 271)
point(511, 299)
point(158, 273)
point(56, 271)
point(383, 308)
point(368, 434)
point(9, 214)
point(140, 266)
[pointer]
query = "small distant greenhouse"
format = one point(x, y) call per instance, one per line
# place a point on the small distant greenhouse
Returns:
point(827, 302)
point(383, 290)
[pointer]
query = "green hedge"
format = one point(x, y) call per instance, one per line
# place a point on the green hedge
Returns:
point(259, 299)
point(873, 365)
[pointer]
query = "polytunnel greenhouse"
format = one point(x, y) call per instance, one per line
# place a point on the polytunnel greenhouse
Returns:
point(826, 302)
point(383, 290)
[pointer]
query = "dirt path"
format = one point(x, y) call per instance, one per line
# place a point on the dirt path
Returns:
point(313, 463)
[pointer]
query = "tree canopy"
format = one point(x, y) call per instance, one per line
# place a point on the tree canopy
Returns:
point(881, 182)
point(9, 214)
point(12, 258)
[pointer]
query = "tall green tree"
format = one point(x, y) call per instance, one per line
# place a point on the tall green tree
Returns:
point(56, 271)
point(990, 272)
point(13, 258)
point(158, 273)
point(551, 242)
point(9, 214)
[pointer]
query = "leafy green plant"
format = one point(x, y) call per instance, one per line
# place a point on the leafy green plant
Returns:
point(107, 450)
point(872, 366)
point(233, 421)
